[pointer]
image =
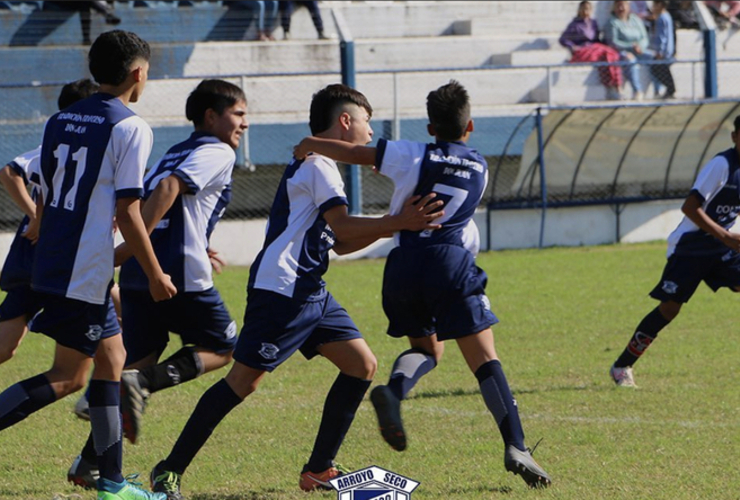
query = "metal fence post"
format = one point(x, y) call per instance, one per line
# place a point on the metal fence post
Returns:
point(709, 29)
point(347, 58)
point(543, 182)
point(710, 64)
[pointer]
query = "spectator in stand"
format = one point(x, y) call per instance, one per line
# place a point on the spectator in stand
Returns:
point(266, 15)
point(683, 14)
point(286, 11)
point(725, 17)
point(641, 9)
point(581, 37)
point(663, 44)
point(627, 34)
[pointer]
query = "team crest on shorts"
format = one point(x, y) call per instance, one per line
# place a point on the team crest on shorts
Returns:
point(373, 483)
point(670, 287)
point(94, 332)
point(269, 351)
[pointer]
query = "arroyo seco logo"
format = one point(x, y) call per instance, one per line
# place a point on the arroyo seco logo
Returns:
point(373, 483)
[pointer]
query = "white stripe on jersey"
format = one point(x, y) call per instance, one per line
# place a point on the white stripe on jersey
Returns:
point(315, 182)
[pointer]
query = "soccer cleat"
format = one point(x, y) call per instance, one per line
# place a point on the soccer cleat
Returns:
point(311, 481)
point(623, 377)
point(522, 463)
point(83, 473)
point(109, 490)
point(82, 408)
point(133, 402)
point(166, 482)
point(388, 408)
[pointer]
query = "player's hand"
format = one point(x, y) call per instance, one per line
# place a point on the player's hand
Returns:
point(419, 214)
point(162, 288)
point(32, 231)
point(217, 263)
point(301, 150)
point(732, 240)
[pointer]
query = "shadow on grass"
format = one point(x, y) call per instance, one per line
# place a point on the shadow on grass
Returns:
point(476, 392)
point(270, 494)
point(472, 491)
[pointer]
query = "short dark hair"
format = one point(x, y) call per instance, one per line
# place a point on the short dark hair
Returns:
point(326, 103)
point(448, 109)
point(76, 91)
point(217, 95)
point(112, 54)
point(737, 123)
point(663, 3)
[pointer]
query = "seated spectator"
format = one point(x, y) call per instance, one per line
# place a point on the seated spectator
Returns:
point(663, 45)
point(286, 11)
point(581, 37)
point(723, 18)
point(627, 34)
point(683, 14)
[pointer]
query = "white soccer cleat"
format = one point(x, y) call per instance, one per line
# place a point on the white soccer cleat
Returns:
point(623, 377)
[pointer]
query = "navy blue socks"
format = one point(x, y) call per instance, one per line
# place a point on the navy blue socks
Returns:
point(213, 406)
point(646, 332)
point(20, 400)
point(105, 417)
point(501, 403)
point(340, 406)
point(409, 367)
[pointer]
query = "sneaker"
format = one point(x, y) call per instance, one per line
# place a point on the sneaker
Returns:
point(133, 403)
point(166, 482)
point(82, 408)
point(311, 481)
point(638, 96)
point(623, 377)
point(388, 408)
point(522, 463)
point(83, 473)
point(108, 490)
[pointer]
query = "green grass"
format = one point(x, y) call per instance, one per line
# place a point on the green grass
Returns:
point(565, 315)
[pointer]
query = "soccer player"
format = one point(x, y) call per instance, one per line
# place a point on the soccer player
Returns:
point(432, 289)
point(288, 306)
point(92, 163)
point(186, 193)
point(701, 248)
point(21, 303)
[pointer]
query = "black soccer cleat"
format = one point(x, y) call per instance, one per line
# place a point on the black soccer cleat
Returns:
point(167, 482)
point(388, 408)
point(522, 463)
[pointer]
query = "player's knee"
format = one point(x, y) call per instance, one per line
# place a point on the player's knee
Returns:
point(368, 368)
point(669, 309)
point(7, 353)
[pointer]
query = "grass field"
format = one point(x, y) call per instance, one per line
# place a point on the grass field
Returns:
point(565, 315)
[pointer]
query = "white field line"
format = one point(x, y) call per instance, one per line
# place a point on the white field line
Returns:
point(574, 419)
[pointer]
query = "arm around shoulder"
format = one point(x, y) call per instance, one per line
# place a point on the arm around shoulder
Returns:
point(337, 150)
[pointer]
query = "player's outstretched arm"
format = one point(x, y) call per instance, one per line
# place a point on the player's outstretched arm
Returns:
point(154, 208)
point(131, 224)
point(337, 150)
point(692, 208)
point(354, 233)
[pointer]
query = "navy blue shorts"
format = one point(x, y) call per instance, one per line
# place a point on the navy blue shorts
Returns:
point(199, 318)
point(20, 301)
point(683, 274)
point(76, 324)
point(436, 289)
point(275, 326)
